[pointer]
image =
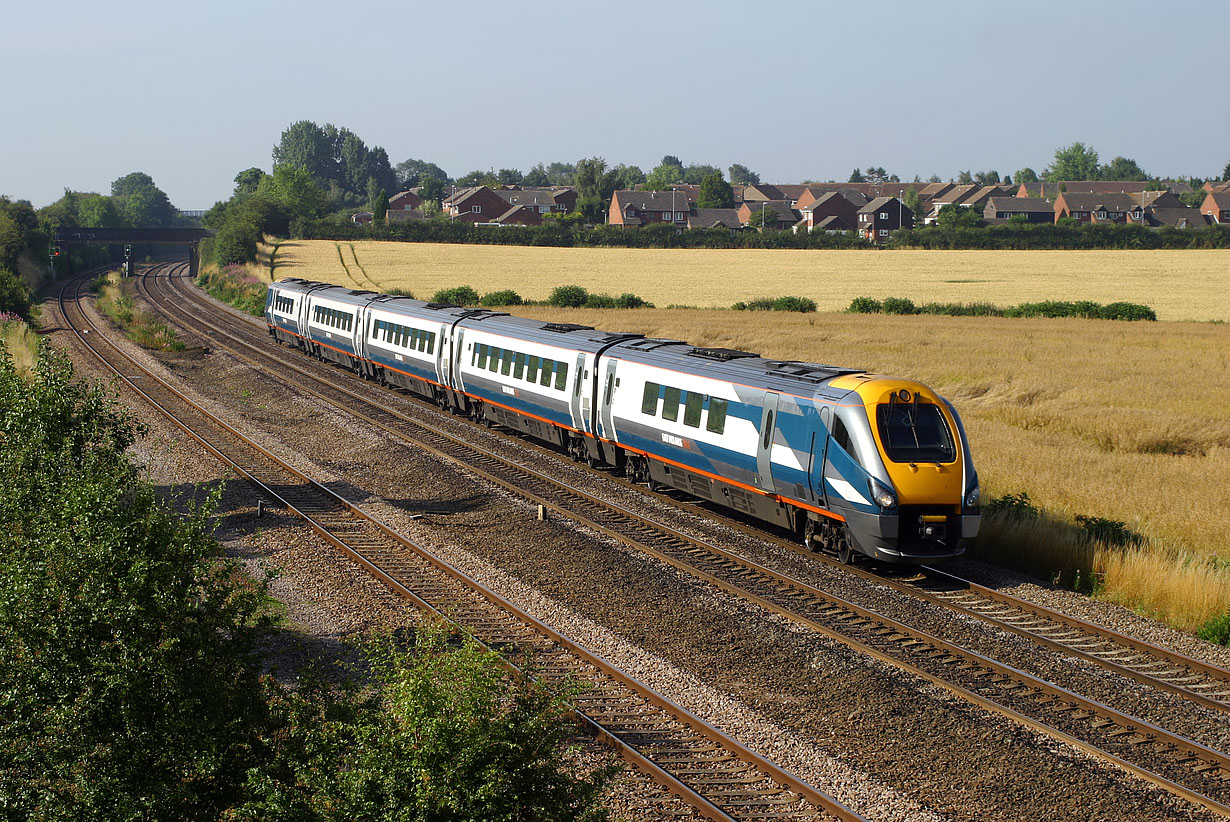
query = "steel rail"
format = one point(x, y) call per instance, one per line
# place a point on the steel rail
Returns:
point(1109, 721)
point(712, 787)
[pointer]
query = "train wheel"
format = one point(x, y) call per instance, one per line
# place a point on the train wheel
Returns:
point(809, 534)
point(845, 548)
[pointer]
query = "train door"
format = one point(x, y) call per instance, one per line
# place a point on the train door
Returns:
point(443, 362)
point(458, 348)
point(819, 456)
point(361, 318)
point(608, 397)
point(578, 386)
point(764, 446)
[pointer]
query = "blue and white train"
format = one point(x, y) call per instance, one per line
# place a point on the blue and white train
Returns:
point(850, 461)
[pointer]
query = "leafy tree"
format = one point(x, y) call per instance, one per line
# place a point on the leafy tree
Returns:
point(913, 202)
point(478, 177)
point(247, 181)
point(410, 173)
point(715, 192)
point(294, 189)
point(965, 178)
point(561, 174)
point(431, 189)
point(955, 216)
point(140, 203)
point(509, 176)
point(987, 178)
point(856, 176)
point(14, 298)
point(1225, 173)
point(536, 176)
point(1122, 168)
point(380, 207)
point(934, 178)
point(876, 175)
point(1074, 162)
point(763, 218)
point(1026, 175)
point(1007, 180)
point(694, 174)
point(129, 688)
point(665, 175)
point(568, 296)
point(595, 185)
point(628, 177)
point(306, 145)
point(671, 160)
point(11, 242)
point(742, 175)
point(97, 211)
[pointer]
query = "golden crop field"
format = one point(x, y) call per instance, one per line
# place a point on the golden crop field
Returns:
point(1178, 285)
point(1121, 420)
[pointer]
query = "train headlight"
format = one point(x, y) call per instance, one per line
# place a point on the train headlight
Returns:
point(881, 493)
point(973, 496)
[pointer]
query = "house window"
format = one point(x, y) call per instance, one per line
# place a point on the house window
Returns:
point(883, 232)
point(1101, 215)
point(678, 215)
point(883, 215)
point(476, 209)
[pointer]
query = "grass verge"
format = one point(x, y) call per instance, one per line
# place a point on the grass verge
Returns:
point(138, 326)
point(237, 286)
point(21, 343)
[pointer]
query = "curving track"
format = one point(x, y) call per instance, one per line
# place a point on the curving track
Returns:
point(719, 778)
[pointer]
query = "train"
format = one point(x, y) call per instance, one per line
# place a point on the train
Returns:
point(855, 464)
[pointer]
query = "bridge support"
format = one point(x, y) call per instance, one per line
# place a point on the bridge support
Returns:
point(192, 260)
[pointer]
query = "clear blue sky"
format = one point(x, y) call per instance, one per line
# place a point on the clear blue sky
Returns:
point(192, 93)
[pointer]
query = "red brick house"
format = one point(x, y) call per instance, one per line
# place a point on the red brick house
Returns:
point(477, 204)
point(546, 199)
point(516, 215)
point(881, 217)
point(784, 215)
point(714, 218)
point(830, 204)
point(1216, 206)
point(1033, 209)
point(637, 208)
point(1098, 208)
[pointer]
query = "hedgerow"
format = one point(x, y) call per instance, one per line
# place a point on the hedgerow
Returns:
point(1085, 309)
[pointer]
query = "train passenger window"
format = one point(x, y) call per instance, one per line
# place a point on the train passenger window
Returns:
point(350, 322)
point(481, 355)
point(506, 365)
point(670, 403)
point(519, 367)
point(422, 335)
point(531, 369)
point(649, 400)
point(495, 359)
point(717, 416)
point(548, 367)
point(691, 410)
point(431, 342)
point(561, 375)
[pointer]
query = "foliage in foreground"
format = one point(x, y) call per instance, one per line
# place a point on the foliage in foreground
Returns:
point(1085, 309)
point(128, 688)
point(131, 685)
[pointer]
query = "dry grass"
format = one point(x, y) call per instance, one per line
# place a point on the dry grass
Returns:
point(1179, 285)
point(1125, 421)
point(21, 344)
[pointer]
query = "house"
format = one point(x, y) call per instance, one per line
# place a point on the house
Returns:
point(784, 215)
point(637, 208)
point(1098, 208)
point(1053, 190)
point(1181, 217)
point(544, 199)
point(1216, 206)
point(408, 200)
point(524, 214)
point(476, 204)
point(830, 206)
point(714, 218)
point(1033, 209)
point(881, 217)
point(953, 196)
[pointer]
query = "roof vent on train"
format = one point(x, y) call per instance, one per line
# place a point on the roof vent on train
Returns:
point(564, 328)
point(438, 306)
point(650, 343)
point(724, 354)
point(616, 337)
point(810, 371)
point(359, 292)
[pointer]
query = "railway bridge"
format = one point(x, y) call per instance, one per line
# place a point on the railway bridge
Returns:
point(128, 237)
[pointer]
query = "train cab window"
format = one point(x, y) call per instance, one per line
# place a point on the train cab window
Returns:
point(717, 416)
point(692, 409)
point(649, 400)
point(840, 435)
point(915, 432)
point(531, 369)
point(506, 363)
point(519, 367)
point(670, 403)
point(561, 375)
point(548, 368)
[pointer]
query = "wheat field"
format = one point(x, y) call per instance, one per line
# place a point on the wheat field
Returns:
point(1178, 285)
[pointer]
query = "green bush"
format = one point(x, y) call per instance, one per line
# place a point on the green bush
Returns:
point(865, 305)
point(801, 304)
point(497, 298)
point(400, 292)
point(1109, 531)
point(631, 301)
point(898, 305)
point(1016, 505)
point(458, 295)
point(568, 296)
point(599, 301)
point(1216, 630)
point(1126, 311)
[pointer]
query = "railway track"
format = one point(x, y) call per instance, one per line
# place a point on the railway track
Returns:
point(1183, 766)
point(708, 772)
